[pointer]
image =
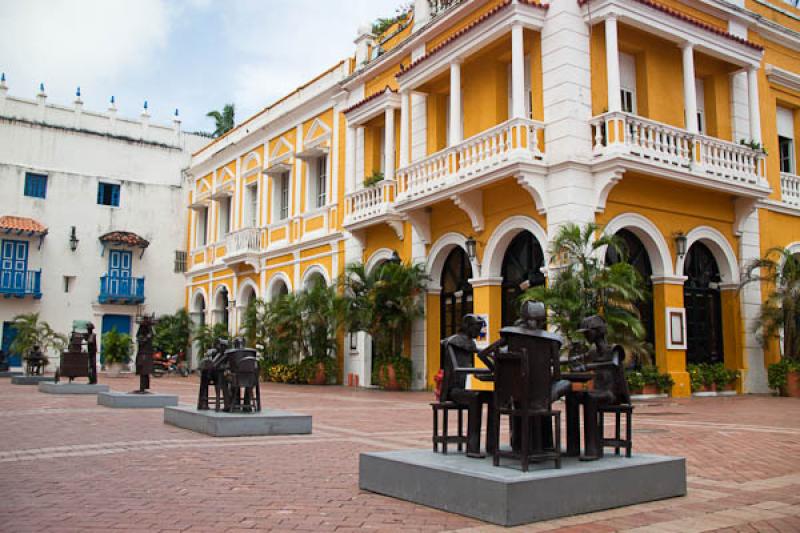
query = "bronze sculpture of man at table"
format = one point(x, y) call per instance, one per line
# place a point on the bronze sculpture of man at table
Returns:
point(605, 361)
point(459, 360)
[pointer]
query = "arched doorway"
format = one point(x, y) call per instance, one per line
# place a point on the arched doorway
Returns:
point(456, 295)
point(279, 289)
point(701, 298)
point(221, 307)
point(637, 257)
point(198, 316)
point(522, 269)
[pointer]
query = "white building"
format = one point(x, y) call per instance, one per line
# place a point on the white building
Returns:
point(92, 225)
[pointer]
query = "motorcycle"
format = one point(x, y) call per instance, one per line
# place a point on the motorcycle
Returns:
point(168, 364)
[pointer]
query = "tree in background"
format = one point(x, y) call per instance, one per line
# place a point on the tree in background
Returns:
point(224, 121)
point(34, 332)
point(173, 332)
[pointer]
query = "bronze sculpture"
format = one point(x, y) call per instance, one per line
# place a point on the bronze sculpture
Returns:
point(91, 348)
point(458, 352)
point(75, 362)
point(233, 372)
point(35, 362)
point(605, 361)
point(144, 352)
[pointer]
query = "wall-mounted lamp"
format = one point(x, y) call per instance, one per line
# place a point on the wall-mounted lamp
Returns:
point(73, 239)
point(680, 244)
point(395, 258)
point(472, 248)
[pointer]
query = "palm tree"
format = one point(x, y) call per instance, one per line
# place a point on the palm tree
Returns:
point(323, 313)
point(780, 311)
point(206, 335)
point(384, 302)
point(224, 120)
point(584, 285)
point(32, 332)
point(173, 332)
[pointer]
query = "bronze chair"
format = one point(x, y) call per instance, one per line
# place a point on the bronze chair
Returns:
point(444, 438)
point(522, 392)
point(244, 380)
point(617, 442)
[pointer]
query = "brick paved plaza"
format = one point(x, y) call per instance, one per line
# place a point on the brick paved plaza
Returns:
point(70, 465)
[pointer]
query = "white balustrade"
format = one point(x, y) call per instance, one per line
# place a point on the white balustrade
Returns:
point(516, 138)
point(622, 133)
point(243, 241)
point(790, 189)
point(369, 202)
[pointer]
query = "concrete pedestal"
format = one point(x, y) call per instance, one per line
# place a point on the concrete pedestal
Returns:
point(218, 424)
point(131, 400)
point(506, 496)
point(31, 380)
point(10, 373)
point(64, 387)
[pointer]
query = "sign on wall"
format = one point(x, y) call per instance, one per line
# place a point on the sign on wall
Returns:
point(676, 328)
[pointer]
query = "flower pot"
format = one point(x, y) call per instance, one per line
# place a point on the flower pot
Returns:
point(650, 388)
point(389, 377)
point(637, 392)
point(115, 370)
point(319, 378)
point(792, 387)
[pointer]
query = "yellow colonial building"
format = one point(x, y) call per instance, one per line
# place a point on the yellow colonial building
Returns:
point(496, 122)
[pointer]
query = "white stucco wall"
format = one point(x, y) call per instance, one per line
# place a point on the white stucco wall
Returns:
point(76, 154)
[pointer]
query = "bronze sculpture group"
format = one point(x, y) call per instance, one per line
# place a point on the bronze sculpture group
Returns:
point(233, 373)
point(525, 367)
point(77, 362)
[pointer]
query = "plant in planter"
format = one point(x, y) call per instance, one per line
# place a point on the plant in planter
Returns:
point(384, 302)
point(323, 312)
point(635, 381)
point(117, 349)
point(779, 316)
point(32, 332)
point(724, 378)
point(376, 177)
point(701, 377)
point(664, 383)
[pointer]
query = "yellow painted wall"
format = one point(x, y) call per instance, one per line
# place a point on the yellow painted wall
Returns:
point(461, 24)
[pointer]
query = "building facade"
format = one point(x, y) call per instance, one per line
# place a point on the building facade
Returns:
point(91, 215)
point(671, 123)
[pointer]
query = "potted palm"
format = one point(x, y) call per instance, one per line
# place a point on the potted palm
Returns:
point(322, 315)
point(117, 349)
point(32, 332)
point(779, 316)
point(384, 302)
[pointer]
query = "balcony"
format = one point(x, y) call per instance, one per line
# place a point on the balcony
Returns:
point(489, 155)
point(649, 146)
point(21, 283)
point(243, 246)
point(790, 189)
point(122, 290)
point(370, 205)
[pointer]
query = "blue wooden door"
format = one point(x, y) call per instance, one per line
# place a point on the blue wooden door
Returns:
point(9, 334)
point(119, 273)
point(122, 323)
point(13, 265)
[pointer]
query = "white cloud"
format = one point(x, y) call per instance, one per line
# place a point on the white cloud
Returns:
point(90, 43)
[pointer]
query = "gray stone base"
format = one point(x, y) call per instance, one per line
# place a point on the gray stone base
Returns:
point(64, 387)
point(506, 496)
point(267, 422)
point(31, 380)
point(11, 373)
point(130, 400)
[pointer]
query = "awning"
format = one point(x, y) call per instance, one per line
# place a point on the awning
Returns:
point(124, 238)
point(22, 226)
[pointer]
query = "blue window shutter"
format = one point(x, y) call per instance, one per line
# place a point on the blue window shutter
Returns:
point(115, 195)
point(35, 185)
point(100, 188)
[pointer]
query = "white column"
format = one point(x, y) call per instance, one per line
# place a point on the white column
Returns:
point(456, 131)
point(517, 72)
point(689, 88)
point(405, 113)
point(388, 145)
point(612, 65)
point(755, 112)
point(350, 160)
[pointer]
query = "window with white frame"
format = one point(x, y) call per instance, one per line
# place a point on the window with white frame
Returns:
point(627, 82)
point(786, 146)
point(281, 186)
point(224, 223)
point(251, 205)
point(700, 97)
point(318, 182)
point(201, 227)
point(528, 89)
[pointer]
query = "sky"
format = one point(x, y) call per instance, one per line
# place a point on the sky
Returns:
point(193, 55)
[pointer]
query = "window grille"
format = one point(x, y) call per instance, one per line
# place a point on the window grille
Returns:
point(180, 261)
point(322, 181)
point(108, 194)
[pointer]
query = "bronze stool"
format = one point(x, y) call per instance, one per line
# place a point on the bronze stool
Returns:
point(617, 442)
point(444, 439)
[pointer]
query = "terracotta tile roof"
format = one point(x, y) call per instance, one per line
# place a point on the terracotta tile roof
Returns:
point(467, 29)
point(22, 224)
point(691, 20)
point(368, 99)
point(125, 237)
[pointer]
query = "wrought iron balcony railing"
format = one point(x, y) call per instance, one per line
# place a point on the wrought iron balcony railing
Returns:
point(121, 290)
point(21, 283)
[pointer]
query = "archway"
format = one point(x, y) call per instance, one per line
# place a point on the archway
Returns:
point(314, 276)
point(636, 254)
point(456, 298)
point(522, 269)
point(701, 298)
point(197, 314)
point(221, 304)
point(278, 286)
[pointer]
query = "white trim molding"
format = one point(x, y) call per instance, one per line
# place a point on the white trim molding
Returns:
point(719, 247)
point(651, 237)
point(501, 237)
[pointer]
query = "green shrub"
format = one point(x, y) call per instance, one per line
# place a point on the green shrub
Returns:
point(307, 368)
point(116, 347)
point(283, 373)
point(777, 373)
point(721, 376)
point(635, 380)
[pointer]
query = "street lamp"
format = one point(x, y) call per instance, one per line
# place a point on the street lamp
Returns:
point(680, 244)
point(73, 239)
point(395, 258)
point(472, 248)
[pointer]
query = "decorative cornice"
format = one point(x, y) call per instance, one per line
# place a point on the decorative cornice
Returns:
point(784, 78)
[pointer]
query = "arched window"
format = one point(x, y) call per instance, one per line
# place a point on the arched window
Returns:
point(522, 268)
point(221, 307)
point(456, 296)
point(636, 255)
point(701, 299)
